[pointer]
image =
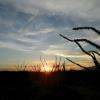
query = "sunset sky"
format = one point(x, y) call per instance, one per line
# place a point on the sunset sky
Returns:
point(30, 29)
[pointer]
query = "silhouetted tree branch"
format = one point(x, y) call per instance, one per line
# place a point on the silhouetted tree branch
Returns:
point(92, 28)
point(97, 64)
point(91, 53)
point(66, 38)
point(86, 52)
point(95, 52)
point(78, 64)
point(81, 40)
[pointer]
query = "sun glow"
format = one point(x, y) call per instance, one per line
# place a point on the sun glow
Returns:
point(46, 69)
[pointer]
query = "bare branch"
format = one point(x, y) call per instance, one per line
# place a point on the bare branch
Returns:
point(66, 38)
point(92, 28)
point(81, 40)
point(95, 52)
point(86, 52)
point(88, 41)
point(79, 28)
point(97, 64)
point(91, 55)
point(77, 64)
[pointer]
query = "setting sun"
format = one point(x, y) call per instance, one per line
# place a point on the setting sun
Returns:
point(46, 69)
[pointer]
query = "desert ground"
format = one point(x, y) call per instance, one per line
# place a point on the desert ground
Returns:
point(68, 85)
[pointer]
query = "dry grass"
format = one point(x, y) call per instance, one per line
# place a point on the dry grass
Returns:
point(58, 65)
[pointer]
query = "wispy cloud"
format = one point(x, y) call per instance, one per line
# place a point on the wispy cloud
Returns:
point(34, 25)
point(61, 50)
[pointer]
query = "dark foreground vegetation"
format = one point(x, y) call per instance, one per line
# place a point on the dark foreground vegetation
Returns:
point(71, 85)
point(57, 84)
